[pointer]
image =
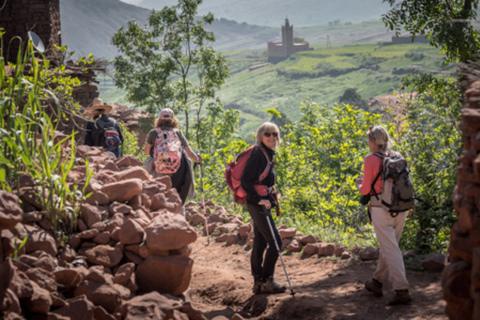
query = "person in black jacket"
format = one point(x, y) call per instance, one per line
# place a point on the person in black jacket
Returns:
point(259, 202)
point(103, 131)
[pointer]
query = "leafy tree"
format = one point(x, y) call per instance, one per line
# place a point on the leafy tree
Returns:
point(446, 23)
point(161, 61)
point(352, 97)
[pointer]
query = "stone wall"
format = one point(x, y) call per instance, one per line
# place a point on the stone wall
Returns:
point(461, 279)
point(40, 16)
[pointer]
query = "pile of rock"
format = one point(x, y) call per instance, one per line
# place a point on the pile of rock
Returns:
point(461, 279)
point(128, 258)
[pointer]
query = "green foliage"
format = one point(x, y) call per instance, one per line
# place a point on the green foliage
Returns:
point(431, 141)
point(448, 24)
point(352, 97)
point(18, 247)
point(28, 141)
point(159, 62)
point(316, 165)
point(130, 143)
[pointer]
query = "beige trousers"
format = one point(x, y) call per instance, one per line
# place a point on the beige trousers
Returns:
point(388, 230)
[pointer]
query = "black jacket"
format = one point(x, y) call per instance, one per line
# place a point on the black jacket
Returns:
point(91, 131)
point(254, 168)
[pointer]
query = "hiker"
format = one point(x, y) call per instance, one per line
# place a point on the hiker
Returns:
point(259, 206)
point(170, 154)
point(103, 131)
point(388, 228)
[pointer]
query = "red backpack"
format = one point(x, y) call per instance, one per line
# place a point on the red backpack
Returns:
point(234, 173)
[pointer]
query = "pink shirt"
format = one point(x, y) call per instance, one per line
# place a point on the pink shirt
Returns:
point(371, 167)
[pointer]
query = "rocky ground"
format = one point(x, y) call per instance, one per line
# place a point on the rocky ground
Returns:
point(326, 288)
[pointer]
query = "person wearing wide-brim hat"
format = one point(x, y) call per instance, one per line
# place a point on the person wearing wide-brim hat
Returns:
point(98, 107)
point(101, 127)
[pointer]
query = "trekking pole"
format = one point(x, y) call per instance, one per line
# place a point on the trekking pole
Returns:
point(203, 201)
point(279, 252)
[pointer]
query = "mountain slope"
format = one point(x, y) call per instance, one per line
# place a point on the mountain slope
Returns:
point(273, 12)
point(88, 26)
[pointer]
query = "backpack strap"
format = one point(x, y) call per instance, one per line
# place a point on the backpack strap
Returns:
point(267, 169)
point(372, 187)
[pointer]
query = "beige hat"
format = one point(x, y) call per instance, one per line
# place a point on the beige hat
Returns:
point(98, 104)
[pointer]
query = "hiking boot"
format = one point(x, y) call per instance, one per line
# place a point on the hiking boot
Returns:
point(374, 286)
point(257, 285)
point(400, 297)
point(271, 286)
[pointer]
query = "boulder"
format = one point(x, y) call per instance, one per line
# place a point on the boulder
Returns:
point(133, 172)
point(123, 191)
point(100, 293)
point(311, 248)
point(294, 246)
point(369, 253)
point(43, 278)
point(244, 230)
point(69, 278)
point(287, 233)
point(10, 211)
point(128, 161)
point(170, 274)
point(20, 284)
point(307, 239)
point(169, 232)
point(131, 232)
point(169, 200)
point(39, 302)
point(326, 249)
point(117, 207)
point(104, 255)
point(434, 262)
point(152, 305)
point(90, 214)
point(78, 308)
point(40, 240)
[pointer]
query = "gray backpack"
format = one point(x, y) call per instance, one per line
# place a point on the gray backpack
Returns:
point(397, 194)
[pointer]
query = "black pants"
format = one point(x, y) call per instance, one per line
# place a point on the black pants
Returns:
point(182, 178)
point(263, 268)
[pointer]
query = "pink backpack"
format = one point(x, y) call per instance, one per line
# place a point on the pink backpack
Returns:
point(167, 154)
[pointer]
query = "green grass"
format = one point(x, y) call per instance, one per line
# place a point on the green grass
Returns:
point(321, 75)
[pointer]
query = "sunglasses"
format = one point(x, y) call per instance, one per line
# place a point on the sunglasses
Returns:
point(268, 134)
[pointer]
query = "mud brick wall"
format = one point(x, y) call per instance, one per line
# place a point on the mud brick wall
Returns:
point(461, 279)
point(40, 16)
point(88, 91)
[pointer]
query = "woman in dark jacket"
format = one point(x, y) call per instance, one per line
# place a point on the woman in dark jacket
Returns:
point(259, 205)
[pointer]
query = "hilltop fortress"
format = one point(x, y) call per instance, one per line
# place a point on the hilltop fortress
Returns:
point(278, 51)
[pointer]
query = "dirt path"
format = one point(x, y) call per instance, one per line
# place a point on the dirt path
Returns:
point(325, 288)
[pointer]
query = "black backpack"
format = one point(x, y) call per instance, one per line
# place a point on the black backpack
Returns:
point(397, 194)
point(99, 129)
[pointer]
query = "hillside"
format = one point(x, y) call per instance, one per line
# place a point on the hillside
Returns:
point(321, 75)
point(88, 26)
point(271, 12)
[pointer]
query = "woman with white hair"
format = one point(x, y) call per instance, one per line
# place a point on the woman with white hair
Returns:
point(388, 228)
point(260, 199)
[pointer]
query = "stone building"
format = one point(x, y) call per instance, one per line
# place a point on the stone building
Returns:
point(278, 51)
point(18, 17)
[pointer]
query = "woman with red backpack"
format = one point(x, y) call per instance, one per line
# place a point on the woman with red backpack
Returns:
point(169, 154)
point(260, 200)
